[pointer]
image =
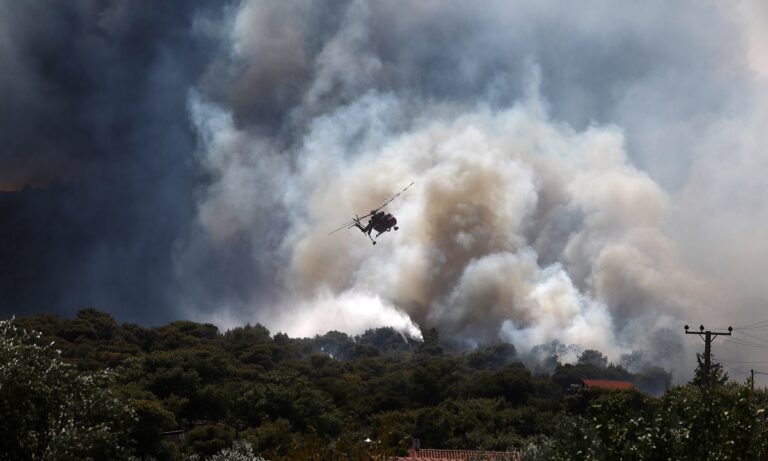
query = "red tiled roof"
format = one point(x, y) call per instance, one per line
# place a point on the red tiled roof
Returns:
point(607, 384)
point(459, 455)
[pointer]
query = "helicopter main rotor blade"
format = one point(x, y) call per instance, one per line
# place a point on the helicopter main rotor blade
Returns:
point(369, 214)
point(393, 197)
point(348, 225)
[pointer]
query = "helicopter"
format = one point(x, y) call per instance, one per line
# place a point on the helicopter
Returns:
point(379, 221)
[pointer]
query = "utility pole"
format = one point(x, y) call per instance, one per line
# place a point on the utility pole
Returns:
point(708, 337)
point(753, 372)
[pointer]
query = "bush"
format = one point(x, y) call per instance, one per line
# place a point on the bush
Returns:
point(50, 410)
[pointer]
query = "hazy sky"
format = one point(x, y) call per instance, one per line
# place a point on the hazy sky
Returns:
point(592, 172)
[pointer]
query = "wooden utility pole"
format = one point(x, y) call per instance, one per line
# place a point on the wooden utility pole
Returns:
point(708, 337)
point(753, 372)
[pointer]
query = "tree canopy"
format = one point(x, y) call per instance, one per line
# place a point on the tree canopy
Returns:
point(90, 388)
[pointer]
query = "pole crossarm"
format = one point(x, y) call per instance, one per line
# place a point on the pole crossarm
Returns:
point(707, 332)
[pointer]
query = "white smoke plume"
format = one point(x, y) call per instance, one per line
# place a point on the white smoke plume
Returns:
point(571, 182)
point(495, 190)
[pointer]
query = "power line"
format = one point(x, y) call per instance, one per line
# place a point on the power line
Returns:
point(761, 327)
point(752, 376)
point(754, 337)
point(740, 362)
point(746, 343)
point(738, 372)
point(760, 324)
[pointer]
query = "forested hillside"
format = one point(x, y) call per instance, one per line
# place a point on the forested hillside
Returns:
point(322, 397)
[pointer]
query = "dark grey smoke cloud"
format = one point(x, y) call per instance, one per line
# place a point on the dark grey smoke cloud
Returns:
point(174, 159)
point(96, 177)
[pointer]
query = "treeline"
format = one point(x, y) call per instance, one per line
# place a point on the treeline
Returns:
point(323, 397)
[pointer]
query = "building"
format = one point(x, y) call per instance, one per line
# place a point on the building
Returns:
point(606, 384)
point(429, 454)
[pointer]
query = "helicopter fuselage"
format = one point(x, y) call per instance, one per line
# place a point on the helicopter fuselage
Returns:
point(380, 222)
point(383, 223)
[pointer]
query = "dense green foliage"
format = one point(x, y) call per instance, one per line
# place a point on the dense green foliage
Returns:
point(52, 412)
point(320, 398)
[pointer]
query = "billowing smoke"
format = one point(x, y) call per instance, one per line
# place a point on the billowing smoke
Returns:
point(519, 228)
point(586, 173)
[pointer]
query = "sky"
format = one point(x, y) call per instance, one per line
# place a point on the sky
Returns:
point(587, 172)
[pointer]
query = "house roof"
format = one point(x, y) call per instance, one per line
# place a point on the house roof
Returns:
point(607, 384)
point(458, 455)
